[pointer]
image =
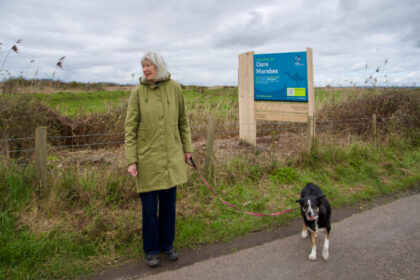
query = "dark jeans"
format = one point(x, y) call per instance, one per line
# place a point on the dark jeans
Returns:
point(158, 224)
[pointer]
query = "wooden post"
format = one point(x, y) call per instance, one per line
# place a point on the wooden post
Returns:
point(311, 101)
point(41, 154)
point(374, 132)
point(247, 123)
point(6, 147)
point(211, 133)
point(309, 133)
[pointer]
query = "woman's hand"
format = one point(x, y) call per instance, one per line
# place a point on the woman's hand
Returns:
point(132, 169)
point(187, 157)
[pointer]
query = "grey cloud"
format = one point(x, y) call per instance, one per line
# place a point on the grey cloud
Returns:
point(104, 40)
point(248, 31)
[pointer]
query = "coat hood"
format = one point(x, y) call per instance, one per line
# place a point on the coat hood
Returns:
point(143, 81)
point(154, 85)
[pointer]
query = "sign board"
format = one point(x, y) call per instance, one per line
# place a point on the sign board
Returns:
point(281, 77)
point(275, 87)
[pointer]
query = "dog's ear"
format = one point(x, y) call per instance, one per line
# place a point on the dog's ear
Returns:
point(321, 197)
point(300, 201)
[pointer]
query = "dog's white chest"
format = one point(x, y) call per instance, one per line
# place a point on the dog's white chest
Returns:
point(316, 227)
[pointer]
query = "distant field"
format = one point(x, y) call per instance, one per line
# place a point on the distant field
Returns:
point(207, 99)
point(74, 103)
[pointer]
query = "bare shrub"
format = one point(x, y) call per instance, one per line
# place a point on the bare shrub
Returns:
point(398, 110)
point(22, 113)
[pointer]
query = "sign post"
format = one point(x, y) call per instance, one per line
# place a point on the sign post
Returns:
point(247, 123)
point(311, 101)
point(276, 87)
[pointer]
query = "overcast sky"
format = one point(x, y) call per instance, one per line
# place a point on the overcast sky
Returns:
point(103, 41)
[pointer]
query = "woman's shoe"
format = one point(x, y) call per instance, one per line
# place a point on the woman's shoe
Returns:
point(152, 260)
point(171, 255)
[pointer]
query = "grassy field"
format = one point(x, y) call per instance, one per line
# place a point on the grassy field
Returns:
point(75, 103)
point(88, 218)
point(217, 101)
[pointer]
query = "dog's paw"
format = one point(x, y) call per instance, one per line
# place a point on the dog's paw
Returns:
point(304, 234)
point(312, 256)
point(325, 254)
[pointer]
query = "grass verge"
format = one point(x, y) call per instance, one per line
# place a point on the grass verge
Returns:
point(87, 221)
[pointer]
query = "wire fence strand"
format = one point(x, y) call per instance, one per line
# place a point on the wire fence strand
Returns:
point(266, 131)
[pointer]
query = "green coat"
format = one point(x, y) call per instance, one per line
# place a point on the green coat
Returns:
point(157, 135)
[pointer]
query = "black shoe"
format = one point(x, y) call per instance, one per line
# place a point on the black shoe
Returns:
point(152, 260)
point(171, 255)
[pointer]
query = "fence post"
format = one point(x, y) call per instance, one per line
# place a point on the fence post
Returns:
point(211, 132)
point(374, 131)
point(41, 154)
point(6, 147)
point(310, 133)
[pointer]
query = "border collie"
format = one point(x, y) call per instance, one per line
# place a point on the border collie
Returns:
point(316, 214)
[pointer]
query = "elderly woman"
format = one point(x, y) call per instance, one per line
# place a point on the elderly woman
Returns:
point(158, 141)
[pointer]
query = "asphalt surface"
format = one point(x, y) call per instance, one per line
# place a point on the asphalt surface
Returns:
point(381, 243)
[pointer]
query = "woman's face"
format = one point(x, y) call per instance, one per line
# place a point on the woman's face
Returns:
point(149, 70)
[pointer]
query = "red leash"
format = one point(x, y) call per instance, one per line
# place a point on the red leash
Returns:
point(233, 206)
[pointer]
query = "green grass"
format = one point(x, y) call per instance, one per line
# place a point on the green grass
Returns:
point(74, 103)
point(71, 103)
point(361, 175)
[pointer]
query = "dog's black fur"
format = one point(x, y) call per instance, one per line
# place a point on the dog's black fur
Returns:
point(316, 214)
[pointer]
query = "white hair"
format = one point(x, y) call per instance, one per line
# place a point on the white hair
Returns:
point(159, 62)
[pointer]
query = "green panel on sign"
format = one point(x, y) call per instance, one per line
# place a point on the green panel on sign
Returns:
point(296, 91)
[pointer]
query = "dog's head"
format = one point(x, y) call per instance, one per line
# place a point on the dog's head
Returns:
point(310, 206)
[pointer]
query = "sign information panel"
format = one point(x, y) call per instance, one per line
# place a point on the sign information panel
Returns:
point(281, 77)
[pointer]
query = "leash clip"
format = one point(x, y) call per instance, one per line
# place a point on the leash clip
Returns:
point(192, 163)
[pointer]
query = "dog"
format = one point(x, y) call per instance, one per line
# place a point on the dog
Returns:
point(316, 214)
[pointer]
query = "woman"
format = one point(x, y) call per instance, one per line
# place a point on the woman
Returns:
point(158, 141)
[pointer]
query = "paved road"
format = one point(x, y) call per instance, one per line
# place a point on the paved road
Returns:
point(381, 243)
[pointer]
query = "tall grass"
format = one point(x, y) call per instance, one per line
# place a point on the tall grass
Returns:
point(49, 233)
point(13, 48)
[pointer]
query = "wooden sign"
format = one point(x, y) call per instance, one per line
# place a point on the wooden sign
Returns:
point(270, 90)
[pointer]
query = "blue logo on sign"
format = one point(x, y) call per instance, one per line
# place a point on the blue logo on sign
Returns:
point(298, 60)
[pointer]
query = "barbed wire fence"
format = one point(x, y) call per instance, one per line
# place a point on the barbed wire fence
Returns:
point(274, 139)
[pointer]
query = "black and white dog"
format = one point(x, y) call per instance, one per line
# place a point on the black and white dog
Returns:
point(316, 214)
